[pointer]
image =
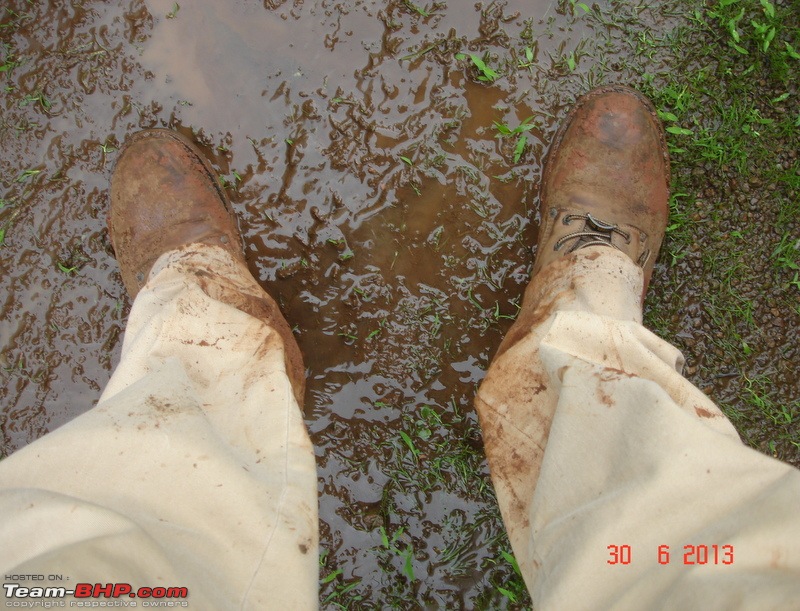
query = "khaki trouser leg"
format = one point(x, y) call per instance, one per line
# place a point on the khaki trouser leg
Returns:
point(595, 439)
point(195, 468)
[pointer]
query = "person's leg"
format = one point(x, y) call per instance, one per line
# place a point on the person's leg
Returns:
point(195, 469)
point(608, 464)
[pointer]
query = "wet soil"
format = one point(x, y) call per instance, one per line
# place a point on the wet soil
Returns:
point(378, 206)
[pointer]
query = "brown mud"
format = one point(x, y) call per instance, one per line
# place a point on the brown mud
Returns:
point(378, 207)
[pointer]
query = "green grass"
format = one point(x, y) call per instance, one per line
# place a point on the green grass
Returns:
point(730, 108)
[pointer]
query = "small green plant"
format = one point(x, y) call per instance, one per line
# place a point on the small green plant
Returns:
point(485, 73)
point(8, 65)
point(330, 577)
point(37, 98)
point(348, 336)
point(504, 131)
point(582, 5)
point(26, 174)
point(71, 269)
point(527, 63)
point(422, 11)
point(406, 554)
point(228, 183)
point(669, 117)
point(572, 61)
point(174, 12)
point(410, 445)
point(375, 332)
point(107, 148)
point(514, 589)
point(345, 252)
point(339, 590)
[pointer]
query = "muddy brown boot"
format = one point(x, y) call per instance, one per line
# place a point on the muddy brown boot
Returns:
point(605, 183)
point(606, 180)
point(165, 197)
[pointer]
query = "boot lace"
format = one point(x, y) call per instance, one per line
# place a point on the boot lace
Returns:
point(594, 233)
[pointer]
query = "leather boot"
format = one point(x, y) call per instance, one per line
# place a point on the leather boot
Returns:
point(165, 197)
point(605, 183)
point(606, 180)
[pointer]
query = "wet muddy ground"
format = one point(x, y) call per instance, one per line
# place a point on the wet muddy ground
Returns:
point(379, 207)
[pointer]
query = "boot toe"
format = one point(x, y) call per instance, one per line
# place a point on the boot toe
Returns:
point(609, 161)
point(619, 121)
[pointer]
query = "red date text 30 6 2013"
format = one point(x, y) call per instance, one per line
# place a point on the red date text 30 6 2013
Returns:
point(689, 555)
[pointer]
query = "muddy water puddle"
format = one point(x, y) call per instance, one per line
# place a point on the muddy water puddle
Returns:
point(378, 205)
